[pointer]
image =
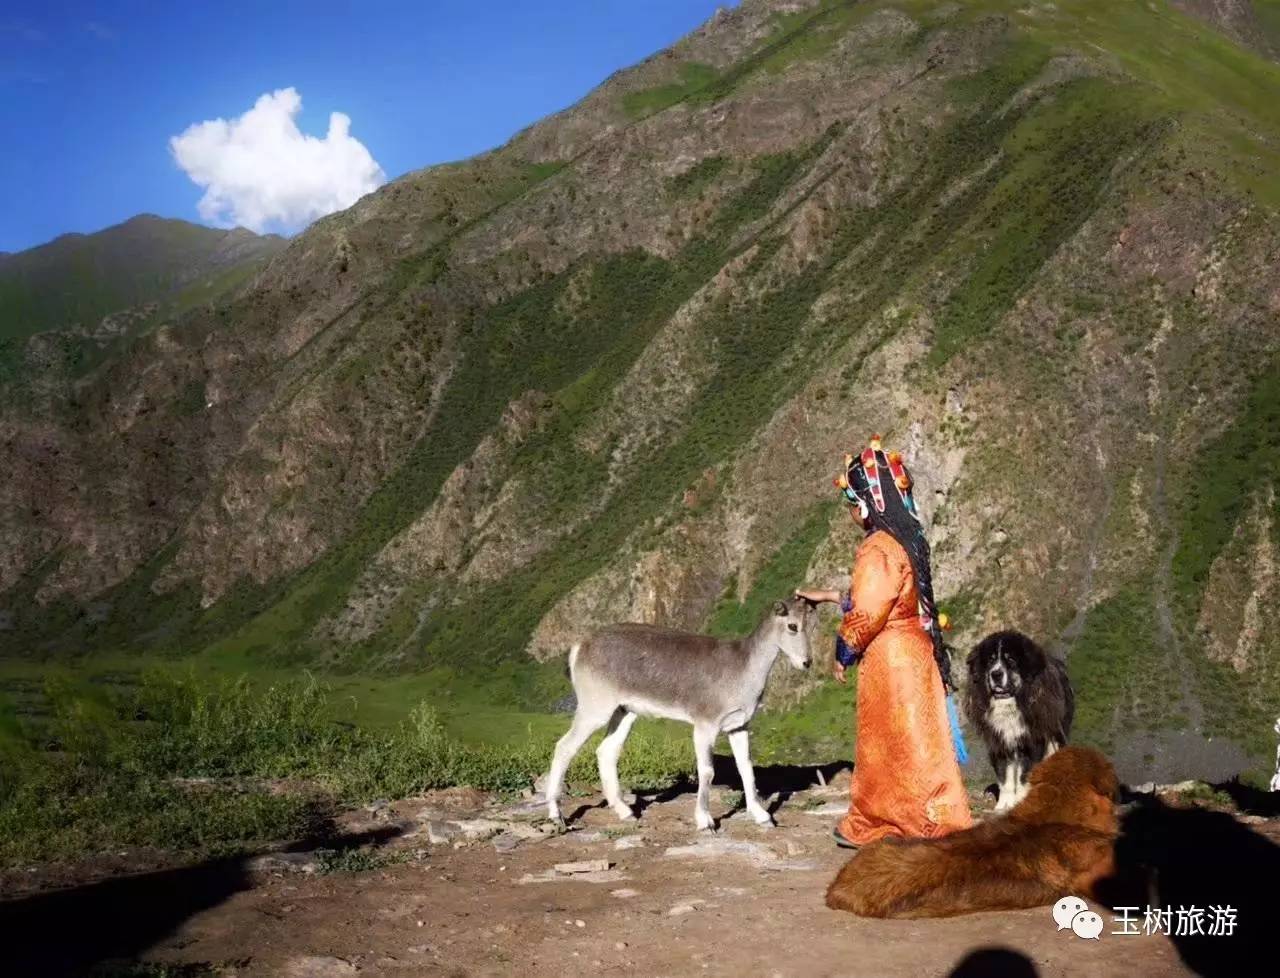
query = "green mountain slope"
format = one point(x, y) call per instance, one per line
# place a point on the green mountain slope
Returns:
point(607, 371)
point(79, 278)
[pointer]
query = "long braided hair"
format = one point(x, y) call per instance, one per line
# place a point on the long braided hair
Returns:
point(887, 505)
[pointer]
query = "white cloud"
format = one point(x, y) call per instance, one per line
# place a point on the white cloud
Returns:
point(262, 172)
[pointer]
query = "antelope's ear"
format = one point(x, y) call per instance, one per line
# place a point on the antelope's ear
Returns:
point(780, 609)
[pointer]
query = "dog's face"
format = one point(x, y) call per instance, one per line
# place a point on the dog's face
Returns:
point(1001, 664)
point(1004, 672)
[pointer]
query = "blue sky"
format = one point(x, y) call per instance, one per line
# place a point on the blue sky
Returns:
point(91, 94)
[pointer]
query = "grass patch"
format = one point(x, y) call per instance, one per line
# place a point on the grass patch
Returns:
point(806, 34)
point(156, 969)
point(1220, 483)
point(1059, 161)
point(693, 75)
point(698, 177)
point(351, 861)
point(1117, 668)
point(220, 766)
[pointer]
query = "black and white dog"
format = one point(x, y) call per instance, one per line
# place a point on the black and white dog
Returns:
point(1020, 699)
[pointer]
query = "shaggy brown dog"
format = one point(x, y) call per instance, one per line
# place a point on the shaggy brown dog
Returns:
point(1058, 840)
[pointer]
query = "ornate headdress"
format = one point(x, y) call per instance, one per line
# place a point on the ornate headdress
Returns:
point(863, 481)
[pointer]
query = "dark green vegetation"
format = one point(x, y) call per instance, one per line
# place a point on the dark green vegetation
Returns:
point(1121, 671)
point(1235, 475)
point(80, 278)
point(154, 969)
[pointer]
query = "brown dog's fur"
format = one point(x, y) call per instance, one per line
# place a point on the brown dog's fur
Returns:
point(1058, 840)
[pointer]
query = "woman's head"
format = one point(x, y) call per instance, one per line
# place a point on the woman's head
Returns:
point(877, 487)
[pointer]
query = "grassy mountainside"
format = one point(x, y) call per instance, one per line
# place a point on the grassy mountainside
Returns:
point(607, 370)
point(79, 278)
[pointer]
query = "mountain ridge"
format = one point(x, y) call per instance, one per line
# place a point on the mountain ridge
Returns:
point(77, 278)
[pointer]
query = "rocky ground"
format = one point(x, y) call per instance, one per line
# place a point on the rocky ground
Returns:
point(460, 883)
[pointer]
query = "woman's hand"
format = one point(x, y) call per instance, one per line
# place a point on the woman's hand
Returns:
point(837, 670)
point(817, 595)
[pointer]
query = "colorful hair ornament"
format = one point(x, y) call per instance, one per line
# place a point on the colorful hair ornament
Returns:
point(872, 470)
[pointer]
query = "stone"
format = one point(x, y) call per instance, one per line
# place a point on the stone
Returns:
point(791, 865)
point(624, 893)
point(551, 876)
point(583, 866)
point(826, 811)
point(505, 841)
point(680, 909)
point(1182, 787)
point(441, 832)
point(532, 805)
point(584, 838)
point(719, 848)
point(317, 966)
point(285, 862)
point(629, 842)
point(475, 829)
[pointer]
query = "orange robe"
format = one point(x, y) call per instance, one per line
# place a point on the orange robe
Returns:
point(906, 781)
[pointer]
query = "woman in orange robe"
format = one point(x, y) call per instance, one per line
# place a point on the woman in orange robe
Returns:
point(906, 779)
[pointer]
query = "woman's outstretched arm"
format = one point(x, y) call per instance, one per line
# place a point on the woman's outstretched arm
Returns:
point(818, 595)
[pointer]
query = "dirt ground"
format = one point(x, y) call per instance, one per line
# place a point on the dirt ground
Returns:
point(477, 894)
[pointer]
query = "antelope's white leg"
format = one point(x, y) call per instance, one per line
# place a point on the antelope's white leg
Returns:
point(607, 756)
point(585, 723)
point(704, 738)
point(739, 740)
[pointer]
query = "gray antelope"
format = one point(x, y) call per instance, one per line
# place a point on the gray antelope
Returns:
point(625, 671)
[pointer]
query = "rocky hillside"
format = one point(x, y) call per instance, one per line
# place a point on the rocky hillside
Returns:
point(607, 371)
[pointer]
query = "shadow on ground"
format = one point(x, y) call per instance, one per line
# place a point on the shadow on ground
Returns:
point(776, 781)
point(1251, 800)
point(1194, 858)
point(994, 962)
point(67, 932)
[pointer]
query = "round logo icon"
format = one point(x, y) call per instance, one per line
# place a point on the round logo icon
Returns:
point(1087, 924)
point(1064, 910)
